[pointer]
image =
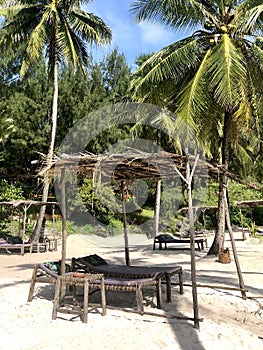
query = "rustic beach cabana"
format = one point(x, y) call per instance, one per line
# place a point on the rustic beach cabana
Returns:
point(247, 204)
point(123, 169)
point(24, 205)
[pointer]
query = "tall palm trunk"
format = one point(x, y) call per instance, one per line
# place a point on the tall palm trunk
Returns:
point(218, 242)
point(37, 231)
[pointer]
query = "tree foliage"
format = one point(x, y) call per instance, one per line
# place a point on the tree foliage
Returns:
point(27, 103)
point(217, 68)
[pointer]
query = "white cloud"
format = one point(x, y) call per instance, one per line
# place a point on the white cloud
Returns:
point(155, 35)
point(132, 39)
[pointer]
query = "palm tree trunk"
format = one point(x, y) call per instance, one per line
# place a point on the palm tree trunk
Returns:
point(36, 233)
point(218, 242)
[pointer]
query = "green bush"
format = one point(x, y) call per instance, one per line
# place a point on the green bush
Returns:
point(8, 192)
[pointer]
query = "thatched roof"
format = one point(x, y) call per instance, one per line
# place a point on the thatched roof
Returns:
point(135, 164)
point(249, 203)
point(184, 210)
point(20, 202)
point(130, 165)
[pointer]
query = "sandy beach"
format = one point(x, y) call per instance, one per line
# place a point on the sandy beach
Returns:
point(228, 321)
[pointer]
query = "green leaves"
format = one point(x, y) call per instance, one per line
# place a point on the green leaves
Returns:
point(174, 13)
point(172, 62)
point(47, 25)
point(194, 98)
point(228, 73)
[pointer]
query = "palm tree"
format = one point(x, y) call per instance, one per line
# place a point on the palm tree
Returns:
point(216, 72)
point(60, 29)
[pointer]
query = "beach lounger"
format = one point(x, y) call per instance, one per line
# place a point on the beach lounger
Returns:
point(24, 247)
point(47, 272)
point(135, 285)
point(50, 271)
point(165, 239)
point(96, 264)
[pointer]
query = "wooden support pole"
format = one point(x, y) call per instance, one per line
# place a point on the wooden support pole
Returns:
point(228, 222)
point(126, 241)
point(157, 209)
point(189, 176)
point(63, 212)
point(241, 219)
point(53, 222)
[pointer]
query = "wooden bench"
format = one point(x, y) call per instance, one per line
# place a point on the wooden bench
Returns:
point(164, 273)
point(167, 239)
point(42, 274)
point(25, 247)
point(22, 247)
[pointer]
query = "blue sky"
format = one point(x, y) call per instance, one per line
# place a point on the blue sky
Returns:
point(129, 37)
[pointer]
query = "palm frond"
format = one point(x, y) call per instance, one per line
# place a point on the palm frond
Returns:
point(35, 45)
point(192, 99)
point(228, 73)
point(257, 54)
point(248, 17)
point(90, 27)
point(171, 62)
point(243, 114)
point(174, 13)
point(244, 158)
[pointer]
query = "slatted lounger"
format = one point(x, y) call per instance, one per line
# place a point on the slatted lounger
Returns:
point(42, 274)
point(87, 264)
point(25, 247)
point(165, 239)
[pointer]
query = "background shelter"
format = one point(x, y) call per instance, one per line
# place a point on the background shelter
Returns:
point(25, 205)
point(247, 204)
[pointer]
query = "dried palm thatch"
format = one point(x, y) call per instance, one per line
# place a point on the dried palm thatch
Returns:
point(249, 203)
point(135, 164)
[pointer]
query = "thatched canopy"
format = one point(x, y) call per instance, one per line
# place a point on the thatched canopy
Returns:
point(26, 203)
point(130, 165)
point(135, 164)
point(249, 203)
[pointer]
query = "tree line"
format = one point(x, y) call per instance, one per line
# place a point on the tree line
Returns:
point(211, 80)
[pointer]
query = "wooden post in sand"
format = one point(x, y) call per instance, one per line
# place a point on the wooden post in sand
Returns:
point(189, 177)
point(63, 214)
point(228, 222)
point(126, 241)
point(188, 180)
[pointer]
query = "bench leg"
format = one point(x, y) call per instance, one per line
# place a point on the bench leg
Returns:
point(159, 293)
point(168, 287)
point(103, 297)
point(86, 301)
point(181, 282)
point(32, 284)
point(56, 299)
point(139, 298)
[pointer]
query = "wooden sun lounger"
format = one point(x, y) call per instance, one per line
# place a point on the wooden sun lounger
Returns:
point(167, 239)
point(131, 272)
point(42, 274)
point(24, 247)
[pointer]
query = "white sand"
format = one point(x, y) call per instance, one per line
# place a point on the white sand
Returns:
point(229, 322)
